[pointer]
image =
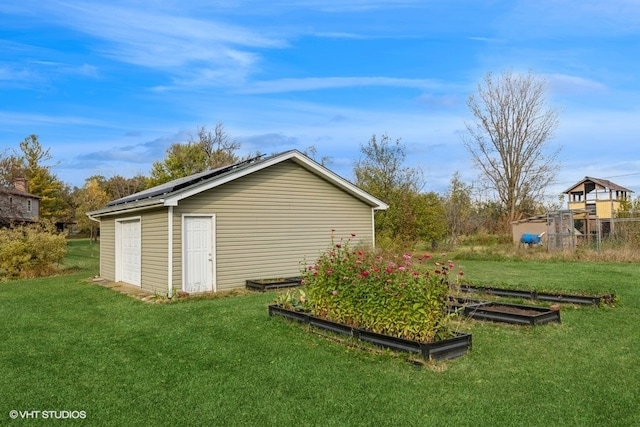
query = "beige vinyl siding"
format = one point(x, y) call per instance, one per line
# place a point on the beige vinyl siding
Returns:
point(153, 262)
point(108, 249)
point(268, 222)
point(154, 250)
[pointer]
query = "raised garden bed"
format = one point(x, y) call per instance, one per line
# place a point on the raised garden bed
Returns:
point(439, 350)
point(516, 314)
point(542, 296)
point(460, 305)
point(274, 283)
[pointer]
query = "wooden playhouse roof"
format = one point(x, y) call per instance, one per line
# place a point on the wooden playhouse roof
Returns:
point(603, 184)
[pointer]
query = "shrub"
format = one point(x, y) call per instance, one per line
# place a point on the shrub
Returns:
point(392, 295)
point(30, 250)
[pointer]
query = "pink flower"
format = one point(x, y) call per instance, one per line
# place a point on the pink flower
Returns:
point(389, 270)
point(401, 268)
point(451, 265)
point(406, 256)
point(334, 293)
point(329, 271)
point(365, 273)
point(338, 245)
point(426, 256)
point(438, 272)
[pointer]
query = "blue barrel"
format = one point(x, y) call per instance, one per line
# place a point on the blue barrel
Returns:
point(530, 239)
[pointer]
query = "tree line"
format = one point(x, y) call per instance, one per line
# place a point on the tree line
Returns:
point(508, 141)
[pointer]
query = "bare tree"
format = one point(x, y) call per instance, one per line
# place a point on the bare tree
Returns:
point(209, 150)
point(508, 140)
point(219, 148)
point(312, 152)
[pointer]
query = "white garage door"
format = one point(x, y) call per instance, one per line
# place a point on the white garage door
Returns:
point(128, 251)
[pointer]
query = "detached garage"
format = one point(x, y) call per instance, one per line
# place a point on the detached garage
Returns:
point(212, 231)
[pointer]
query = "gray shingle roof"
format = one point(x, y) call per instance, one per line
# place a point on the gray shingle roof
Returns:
point(601, 182)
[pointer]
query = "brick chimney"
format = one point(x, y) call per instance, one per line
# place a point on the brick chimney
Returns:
point(20, 184)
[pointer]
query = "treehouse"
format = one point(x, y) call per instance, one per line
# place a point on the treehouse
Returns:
point(594, 198)
point(599, 197)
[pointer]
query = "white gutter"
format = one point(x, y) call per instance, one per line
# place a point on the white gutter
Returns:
point(373, 227)
point(99, 223)
point(121, 209)
point(170, 254)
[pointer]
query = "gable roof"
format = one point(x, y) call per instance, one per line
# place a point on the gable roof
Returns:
point(603, 183)
point(170, 193)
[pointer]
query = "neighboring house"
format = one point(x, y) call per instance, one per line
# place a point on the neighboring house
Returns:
point(261, 218)
point(17, 206)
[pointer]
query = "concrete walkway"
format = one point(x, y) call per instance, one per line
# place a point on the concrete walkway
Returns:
point(127, 289)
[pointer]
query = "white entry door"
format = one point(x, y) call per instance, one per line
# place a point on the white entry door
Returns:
point(199, 255)
point(128, 251)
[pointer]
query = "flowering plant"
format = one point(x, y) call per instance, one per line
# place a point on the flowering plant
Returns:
point(403, 296)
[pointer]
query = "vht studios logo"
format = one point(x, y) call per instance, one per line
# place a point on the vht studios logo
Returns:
point(51, 415)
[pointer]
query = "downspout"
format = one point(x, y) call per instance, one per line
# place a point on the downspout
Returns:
point(99, 223)
point(373, 227)
point(170, 254)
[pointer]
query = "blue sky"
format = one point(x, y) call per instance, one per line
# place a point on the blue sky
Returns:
point(109, 85)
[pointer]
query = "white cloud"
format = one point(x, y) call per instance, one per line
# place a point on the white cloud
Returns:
point(318, 83)
point(567, 84)
point(194, 50)
point(35, 120)
point(553, 18)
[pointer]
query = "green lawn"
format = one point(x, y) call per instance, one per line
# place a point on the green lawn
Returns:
point(71, 345)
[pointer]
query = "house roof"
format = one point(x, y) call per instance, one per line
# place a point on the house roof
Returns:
point(13, 191)
point(170, 193)
point(603, 183)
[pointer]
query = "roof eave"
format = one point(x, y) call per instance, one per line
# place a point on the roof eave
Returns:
point(294, 155)
point(126, 208)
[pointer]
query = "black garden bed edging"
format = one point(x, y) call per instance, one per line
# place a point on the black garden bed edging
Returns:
point(515, 314)
point(449, 348)
point(542, 296)
point(275, 283)
point(298, 316)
